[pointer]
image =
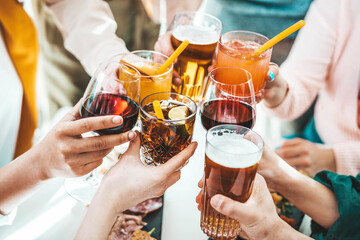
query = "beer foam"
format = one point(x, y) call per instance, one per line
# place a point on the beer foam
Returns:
point(196, 34)
point(233, 152)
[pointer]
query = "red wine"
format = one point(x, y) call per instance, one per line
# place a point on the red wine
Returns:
point(101, 104)
point(224, 111)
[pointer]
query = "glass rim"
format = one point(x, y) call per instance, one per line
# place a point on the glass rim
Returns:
point(103, 65)
point(158, 53)
point(233, 126)
point(167, 120)
point(201, 13)
point(246, 32)
point(231, 84)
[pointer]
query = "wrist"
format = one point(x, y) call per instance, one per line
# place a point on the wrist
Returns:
point(37, 164)
point(281, 230)
point(283, 176)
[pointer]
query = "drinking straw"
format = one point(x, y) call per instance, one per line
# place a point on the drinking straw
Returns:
point(293, 28)
point(173, 56)
point(140, 71)
point(158, 112)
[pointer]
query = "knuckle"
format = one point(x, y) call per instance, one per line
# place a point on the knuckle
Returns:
point(59, 130)
point(100, 144)
point(85, 126)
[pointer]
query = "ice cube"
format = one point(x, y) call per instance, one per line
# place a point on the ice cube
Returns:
point(164, 104)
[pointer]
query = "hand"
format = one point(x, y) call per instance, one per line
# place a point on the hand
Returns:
point(130, 182)
point(64, 152)
point(276, 87)
point(164, 46)
point(307, 156)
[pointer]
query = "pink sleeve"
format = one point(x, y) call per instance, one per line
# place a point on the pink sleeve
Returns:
point(307, 66)
point(88, 29)
point(347, 156)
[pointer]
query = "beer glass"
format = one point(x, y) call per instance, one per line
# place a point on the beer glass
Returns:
point(203, 32)
point(237, 49)
point(232, 154)
point(224, 103)
point(161, 139)
point(147, 62)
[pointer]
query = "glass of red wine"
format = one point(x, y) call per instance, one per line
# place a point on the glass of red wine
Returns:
point(228, 103)
point(113, 90)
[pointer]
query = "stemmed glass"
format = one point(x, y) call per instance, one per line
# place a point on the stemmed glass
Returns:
point(227, 103)
point(113, 90)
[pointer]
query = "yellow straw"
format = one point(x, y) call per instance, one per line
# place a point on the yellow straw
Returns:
point(281, 36)
point(158, 112)
point(173, 56)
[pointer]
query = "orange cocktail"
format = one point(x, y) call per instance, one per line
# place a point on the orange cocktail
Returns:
point(237, 49)
point(147, 62)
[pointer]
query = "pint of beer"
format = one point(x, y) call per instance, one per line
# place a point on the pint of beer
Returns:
point(231, 159)
point(203, 32)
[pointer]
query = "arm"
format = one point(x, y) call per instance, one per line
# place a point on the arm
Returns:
point(305, 71)
point(63, 152)
point(174, 6)
point(88, 29)
point(139, 182)
point(308, 195)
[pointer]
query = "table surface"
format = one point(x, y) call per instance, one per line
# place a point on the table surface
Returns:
point(50, 213)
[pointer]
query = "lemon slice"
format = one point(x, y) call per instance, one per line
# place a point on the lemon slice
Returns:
point(178, 113)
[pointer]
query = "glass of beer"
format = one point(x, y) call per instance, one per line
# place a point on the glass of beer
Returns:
point(224, 103)
point(237, 49)
point(148, 62)
point(232, 154)
point(203, 32)
point(161, 139)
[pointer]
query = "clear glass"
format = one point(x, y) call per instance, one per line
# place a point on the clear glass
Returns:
point(203, 32)
point(232, 154)
point(161, 139)
point(113, 90)
point(237, 49)
point(227, 103)
point(147, 62)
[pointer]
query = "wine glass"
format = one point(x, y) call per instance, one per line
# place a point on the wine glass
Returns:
point(113, 90)
point(228, 103)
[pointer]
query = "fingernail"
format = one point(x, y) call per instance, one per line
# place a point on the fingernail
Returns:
point(132, 135)
point(272, 76)
point(216, 202)
point(117, 119)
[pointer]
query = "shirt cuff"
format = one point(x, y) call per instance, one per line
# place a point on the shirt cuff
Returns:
point(347, 158)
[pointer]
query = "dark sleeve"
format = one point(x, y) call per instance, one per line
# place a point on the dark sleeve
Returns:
point(347, 192)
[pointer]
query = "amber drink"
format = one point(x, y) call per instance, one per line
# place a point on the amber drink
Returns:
point(161, 139)
point(203, 32)
point(232, 154)
point(237, 49)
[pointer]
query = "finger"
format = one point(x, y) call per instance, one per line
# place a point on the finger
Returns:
point(273, 72)
point(84, 125)
point(292, 151)
point(201, 183)
point(98, 143)
point(89, 157)
point(176, 79)
point(74, 113)
point(293, 141)
point(91, 166)
point(299, 162)
point(199, 197)
point(179, 160)
point(134, 147)
point(164, 45)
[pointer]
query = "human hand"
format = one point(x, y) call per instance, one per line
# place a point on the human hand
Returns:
point(130, 182)
point(307, 156)
point(276, 87)
point(164, 46)
point(64, 152)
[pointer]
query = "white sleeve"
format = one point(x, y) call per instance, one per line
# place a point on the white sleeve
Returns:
point(88, 28)
point(8, 219)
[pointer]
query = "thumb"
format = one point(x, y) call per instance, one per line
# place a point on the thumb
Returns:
point(273, 72)
point(228, 207)
point(134, 147)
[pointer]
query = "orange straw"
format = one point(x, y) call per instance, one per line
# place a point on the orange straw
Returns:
point(281, 36)
point(173, 56)
point(158, 112)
